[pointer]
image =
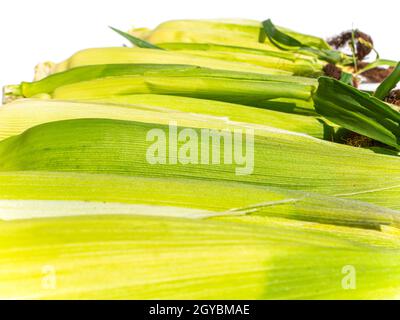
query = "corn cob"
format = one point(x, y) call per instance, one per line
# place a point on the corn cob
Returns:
point(86, 73)
point(282, 159)
point(245, 33)
point(123, 55)
point(237, 87)
point(39, 194)
point(247, 92)
point(21, 115)
point(139, 257)
point(292, 62)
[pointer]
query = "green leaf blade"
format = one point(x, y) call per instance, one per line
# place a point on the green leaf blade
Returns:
point(136, 41)
point(389, 83)
point(357, 111)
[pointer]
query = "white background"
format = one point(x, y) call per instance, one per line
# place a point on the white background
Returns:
point(39, 30)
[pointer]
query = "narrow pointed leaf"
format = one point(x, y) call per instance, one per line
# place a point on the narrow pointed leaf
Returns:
point(136, 41)
point(285, 42)
point(389, 83)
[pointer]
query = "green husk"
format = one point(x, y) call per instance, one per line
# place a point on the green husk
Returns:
point(290, 56)
point(81, 74)
point(33, 194)
point(277, 92)
point(247, 92)
point(238, 33)
point(281, 159)
point(303, 66)
point(163, 258)
point(244, 33)
point(23, 114)
point(286, 119)
point(123, 55)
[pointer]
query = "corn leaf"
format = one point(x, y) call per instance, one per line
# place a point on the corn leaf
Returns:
point(377, 63)
point(389, 83)
point(286, 42)
point(357, 111)
point(134, 40)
